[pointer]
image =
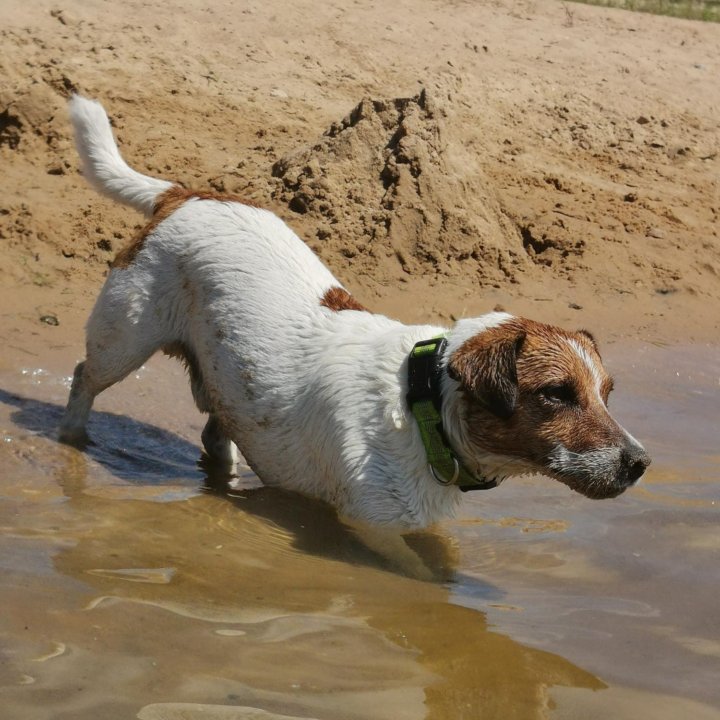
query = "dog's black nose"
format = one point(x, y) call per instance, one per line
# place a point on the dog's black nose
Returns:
point(635, 460)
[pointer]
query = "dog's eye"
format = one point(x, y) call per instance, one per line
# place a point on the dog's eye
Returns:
point(563, 394)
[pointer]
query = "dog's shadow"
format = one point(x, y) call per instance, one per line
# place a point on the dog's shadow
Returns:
point(131, 450)
point(140, 453)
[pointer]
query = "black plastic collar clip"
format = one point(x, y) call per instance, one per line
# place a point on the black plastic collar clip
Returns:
point(424, 371)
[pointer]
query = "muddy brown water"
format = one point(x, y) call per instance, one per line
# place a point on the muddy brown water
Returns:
point(135, 585)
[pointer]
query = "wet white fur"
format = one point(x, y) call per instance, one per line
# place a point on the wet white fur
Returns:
point(314, 399)
point(103, 166)
point(591, 365)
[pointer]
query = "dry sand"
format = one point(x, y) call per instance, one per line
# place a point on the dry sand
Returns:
point(443, 158)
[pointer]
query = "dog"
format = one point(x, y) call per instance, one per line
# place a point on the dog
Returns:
point(389, 423)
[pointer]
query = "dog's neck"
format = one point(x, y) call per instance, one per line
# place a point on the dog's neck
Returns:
point(425, 370)
point(488, 465)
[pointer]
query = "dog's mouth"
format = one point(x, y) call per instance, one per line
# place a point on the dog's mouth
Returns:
point(595, 489)
point(599, 474)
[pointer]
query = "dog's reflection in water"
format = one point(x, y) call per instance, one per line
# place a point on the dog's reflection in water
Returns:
point(317, 528)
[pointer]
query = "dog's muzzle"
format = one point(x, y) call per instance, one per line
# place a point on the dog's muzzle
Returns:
point(602, 473)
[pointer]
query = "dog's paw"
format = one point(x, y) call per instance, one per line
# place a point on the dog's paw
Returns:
point(76, 437)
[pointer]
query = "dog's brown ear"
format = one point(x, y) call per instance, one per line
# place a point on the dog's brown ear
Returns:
point(485, 367)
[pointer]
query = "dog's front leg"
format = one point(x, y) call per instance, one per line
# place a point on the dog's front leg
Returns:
point(390, 545)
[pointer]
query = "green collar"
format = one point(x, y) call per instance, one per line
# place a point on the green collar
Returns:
point(425, 401)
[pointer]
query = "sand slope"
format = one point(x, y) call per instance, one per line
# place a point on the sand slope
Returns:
point(442, 157)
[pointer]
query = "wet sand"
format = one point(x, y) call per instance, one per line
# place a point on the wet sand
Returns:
point(566, 169)
point(137, 585)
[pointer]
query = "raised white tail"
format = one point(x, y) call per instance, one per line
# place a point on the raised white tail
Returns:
point(103, 166)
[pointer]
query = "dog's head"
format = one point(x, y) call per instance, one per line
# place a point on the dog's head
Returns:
point(524, 397)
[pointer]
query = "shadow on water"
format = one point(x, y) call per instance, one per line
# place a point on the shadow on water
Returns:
point(131, 450)
point(140, 453)
point(308, 605)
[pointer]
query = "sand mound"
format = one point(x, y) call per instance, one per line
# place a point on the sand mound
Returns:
point(545, 174)
point(390, 188)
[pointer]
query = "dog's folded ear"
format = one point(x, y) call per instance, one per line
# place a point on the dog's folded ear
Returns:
point(485, 367)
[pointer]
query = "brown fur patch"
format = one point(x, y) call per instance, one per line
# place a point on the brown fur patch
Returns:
point(165, 205)
point(337, 299)
point(497, 361)
point(485, 366)
point(591, 338)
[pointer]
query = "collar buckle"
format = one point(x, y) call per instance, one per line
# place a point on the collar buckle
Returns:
point(442, 480)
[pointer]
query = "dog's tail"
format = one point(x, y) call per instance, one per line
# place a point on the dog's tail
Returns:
point(103, 166)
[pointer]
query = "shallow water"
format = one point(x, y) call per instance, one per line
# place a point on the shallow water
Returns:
point(134, 584)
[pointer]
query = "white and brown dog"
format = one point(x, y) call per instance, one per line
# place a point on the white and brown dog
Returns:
point(320, 395)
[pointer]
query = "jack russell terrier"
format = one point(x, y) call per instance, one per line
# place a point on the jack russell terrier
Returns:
point(389, 423)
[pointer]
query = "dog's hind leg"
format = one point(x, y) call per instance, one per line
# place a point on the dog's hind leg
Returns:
point(122, 334)
point(72, 426)
point(91, 377)
point(218, 446)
